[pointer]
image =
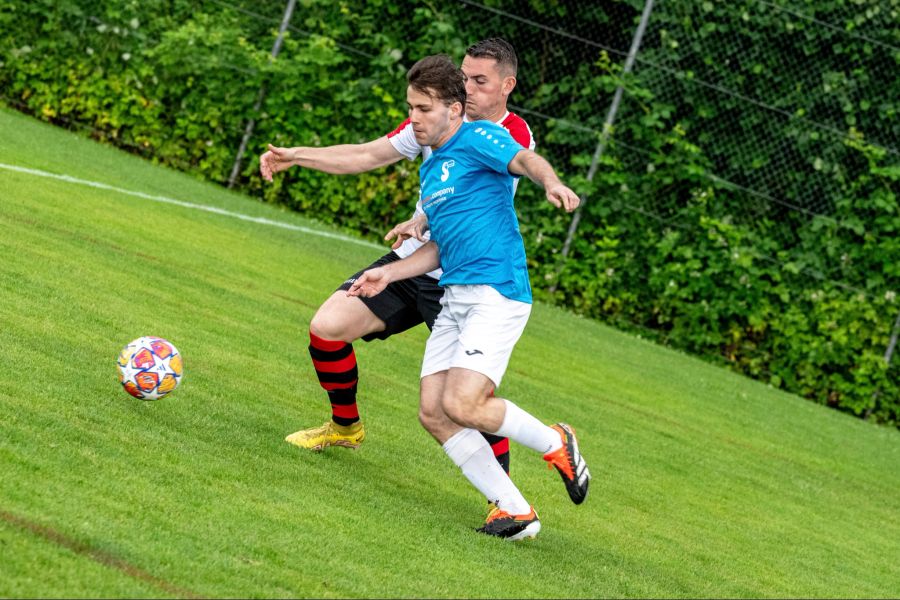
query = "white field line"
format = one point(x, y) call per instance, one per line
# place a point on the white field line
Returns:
point(192, 205)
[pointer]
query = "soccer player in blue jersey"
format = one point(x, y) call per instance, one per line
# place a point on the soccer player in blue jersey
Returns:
point(491, 67)
point(467, 196)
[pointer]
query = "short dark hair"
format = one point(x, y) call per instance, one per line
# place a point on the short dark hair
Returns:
point(498, 49)
point(438, 77)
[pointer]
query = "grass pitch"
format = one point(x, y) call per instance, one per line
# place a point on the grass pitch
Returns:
point(705, 484)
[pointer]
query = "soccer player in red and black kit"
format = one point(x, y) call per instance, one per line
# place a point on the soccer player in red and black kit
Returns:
point(490, 67)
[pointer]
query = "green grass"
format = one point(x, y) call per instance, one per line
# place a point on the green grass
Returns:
point(705, 484)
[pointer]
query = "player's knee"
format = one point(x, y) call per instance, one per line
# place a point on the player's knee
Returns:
point(319, 327)
point(431, 414)
point(345, 319)
point(429, 419)
point(454, 413)
point(329, 325)
point(461, 408)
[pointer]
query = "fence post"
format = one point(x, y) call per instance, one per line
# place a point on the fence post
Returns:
point(251, 124)
point(892, 343)
point(604, 135)
point(888, 354)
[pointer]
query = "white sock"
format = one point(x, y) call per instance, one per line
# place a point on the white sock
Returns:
point(473, 455)
point(521, 427)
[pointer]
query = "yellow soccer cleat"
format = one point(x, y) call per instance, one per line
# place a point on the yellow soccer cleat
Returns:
point(329, 434)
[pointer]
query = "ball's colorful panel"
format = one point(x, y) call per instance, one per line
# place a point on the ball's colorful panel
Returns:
point(125, 355)
point(132, 389)
point(176, 365)
point(143, 359)
point(162, 348)
point(146, 381)
point(168, 384)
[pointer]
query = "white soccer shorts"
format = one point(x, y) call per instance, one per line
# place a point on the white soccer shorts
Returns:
point(477, 329)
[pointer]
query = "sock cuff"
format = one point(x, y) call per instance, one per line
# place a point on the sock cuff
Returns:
point(524, 428)
point(462, 445)
point(508, 427)
point(326, 345)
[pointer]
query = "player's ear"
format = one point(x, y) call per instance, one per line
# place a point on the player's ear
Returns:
point(456, 109)
point(509, 84)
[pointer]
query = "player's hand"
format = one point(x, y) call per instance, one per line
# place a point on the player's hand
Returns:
point(275, 160)
point(370, 283)
point(561, 196)
point(415, 227)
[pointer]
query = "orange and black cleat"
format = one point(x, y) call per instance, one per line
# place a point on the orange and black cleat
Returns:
point(501, 524)
point(570, 464)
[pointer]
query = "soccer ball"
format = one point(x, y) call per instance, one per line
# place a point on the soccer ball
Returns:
point(150, 368)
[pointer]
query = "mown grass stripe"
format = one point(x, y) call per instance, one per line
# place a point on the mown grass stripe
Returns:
point(191, 205)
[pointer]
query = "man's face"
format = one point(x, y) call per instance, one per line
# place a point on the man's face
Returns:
point(431, 119)
point(486, 88)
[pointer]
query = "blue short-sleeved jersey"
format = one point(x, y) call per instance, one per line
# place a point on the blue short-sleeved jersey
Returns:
point(467, 194)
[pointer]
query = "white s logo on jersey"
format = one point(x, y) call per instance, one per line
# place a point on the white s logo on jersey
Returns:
point(445, 169)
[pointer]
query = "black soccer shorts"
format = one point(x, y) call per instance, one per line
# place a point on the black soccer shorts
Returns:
point(403, 304)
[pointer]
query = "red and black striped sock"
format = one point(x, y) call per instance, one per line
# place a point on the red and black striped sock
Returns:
point(500, 446)
point(335, 364)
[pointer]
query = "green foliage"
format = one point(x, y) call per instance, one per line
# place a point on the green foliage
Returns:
point(801, 296)
point(693, 272)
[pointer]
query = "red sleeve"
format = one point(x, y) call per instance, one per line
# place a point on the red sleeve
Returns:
point(519, 130)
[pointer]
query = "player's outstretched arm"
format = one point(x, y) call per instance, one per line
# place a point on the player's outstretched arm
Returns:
point(343, 159)
point(413, 228)
point(538, 170)
point(372, 282)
